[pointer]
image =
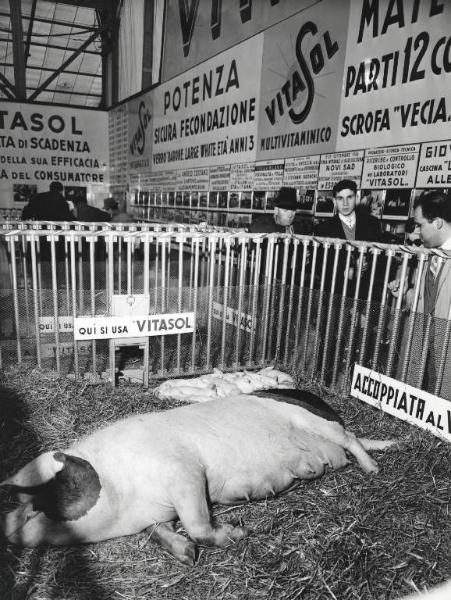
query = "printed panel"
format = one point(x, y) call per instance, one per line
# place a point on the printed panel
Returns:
point(209, 115)
point(397, 83)
point(302, 73)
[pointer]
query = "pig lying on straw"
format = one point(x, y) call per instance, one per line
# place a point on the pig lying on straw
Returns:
point(147, 470)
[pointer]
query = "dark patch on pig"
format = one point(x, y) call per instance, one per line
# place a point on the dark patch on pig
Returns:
point(304, 399)
point(70, 494)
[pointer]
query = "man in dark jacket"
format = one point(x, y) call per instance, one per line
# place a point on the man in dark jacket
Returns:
point(86, 212)
point(283, 218)
point(48, 206)
point(350, 224)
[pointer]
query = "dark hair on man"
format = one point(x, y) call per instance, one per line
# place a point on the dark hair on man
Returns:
point(434, 205)
point(345, 184)
point(56, 186)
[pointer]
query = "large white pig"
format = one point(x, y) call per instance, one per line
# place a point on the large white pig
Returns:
point(150, 469)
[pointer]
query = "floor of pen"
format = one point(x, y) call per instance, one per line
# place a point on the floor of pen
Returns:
point(346, 535)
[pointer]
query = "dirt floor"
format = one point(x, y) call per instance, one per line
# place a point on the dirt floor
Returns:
point(344, 536)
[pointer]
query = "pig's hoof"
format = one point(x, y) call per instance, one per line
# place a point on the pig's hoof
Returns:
point(236, 533)
point(188, 556)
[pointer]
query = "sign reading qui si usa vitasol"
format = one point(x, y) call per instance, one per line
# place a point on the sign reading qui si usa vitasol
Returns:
point(95, 328)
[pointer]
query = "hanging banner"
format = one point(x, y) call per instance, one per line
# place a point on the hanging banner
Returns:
point(302, 72)
point(392, 167)
point(140, 119)
point(434, 170)
point(397, 79)
point(197, 30)
point(209, 115)
point(403, 401)
point(40, 144)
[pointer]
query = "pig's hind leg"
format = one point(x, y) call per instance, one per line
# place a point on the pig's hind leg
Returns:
point(176, 544)
point(190, 502)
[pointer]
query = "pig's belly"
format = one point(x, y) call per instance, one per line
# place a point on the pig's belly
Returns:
point(264, 472)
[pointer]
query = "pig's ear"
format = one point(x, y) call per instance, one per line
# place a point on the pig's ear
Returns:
point(38, 471)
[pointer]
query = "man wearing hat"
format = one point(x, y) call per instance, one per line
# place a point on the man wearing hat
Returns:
point(282, 220)
point(117, 216)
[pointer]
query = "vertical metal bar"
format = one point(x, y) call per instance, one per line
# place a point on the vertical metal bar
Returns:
point(92, 240)
point(12, 251)
point(34, 276)
point(66, 273)
point(397, 318)
point(39, 275)
point(354, 315)
point(110, 292)
point(211, 279)
point(194, 306)
point(413, 316)
point(309, 302)
point(282, 283)
point(319, 321)
point(74, 298)
point(225, 299)
point(163, 297)
point(266, 295)
point(25, 278)
point(445, 354)
point(80, 272)
point(119, 261)
point(305, 244)
point(255, 294)
point(129, 243)
point(375, 252)
point(330, 311)
point(146, 268)
point(383, 310)
point(342, 314)
point(295, 243)
point(179, 298)
point(55, 302)
point(241, 291)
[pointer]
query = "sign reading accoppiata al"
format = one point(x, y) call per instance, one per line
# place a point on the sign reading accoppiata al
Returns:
point(403, 401)
point(96, 328)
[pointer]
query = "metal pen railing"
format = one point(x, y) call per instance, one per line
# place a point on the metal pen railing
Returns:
point(313, 306)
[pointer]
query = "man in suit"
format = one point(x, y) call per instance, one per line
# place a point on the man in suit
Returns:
point(432, 215)
point(48, 206)
point(283, 218)
point(350, 224)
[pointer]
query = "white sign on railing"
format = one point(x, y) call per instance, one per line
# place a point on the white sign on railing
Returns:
point(95, 328)
point(403, 401)
point(233, 317)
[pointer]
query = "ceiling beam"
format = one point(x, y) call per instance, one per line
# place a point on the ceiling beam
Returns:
point(65, 64)
point(7, 87)
point(51, 21)
point(18, 49)
point(33, 68)
point(6, 91)
point(30, 31)
point(94, 4)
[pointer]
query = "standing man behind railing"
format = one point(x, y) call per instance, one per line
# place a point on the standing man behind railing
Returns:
point(351, 225)
point(48, 206)
point(432, 214)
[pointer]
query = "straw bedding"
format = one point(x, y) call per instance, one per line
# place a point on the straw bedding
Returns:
point(345, 536)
